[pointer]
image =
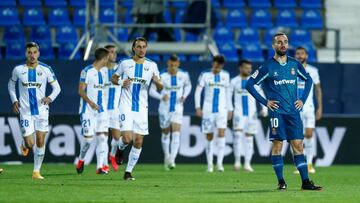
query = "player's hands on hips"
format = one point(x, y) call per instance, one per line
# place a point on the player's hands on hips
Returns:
point(298, 104)
point(272, 104)
point(46, 100)
point(318, 114)
point(126, 83)
point(16, 107)
point(230, 115)
point(198, 112)
point(94, 106)
point(165, 98)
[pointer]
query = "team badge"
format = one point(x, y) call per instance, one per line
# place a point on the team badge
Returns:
point(255, 74)
point(39, 73)
point(292, 71)
point(273, 131)
point(146, 68)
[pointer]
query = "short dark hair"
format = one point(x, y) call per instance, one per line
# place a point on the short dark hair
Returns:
point(174, 58)
point(243, 61)
point(301, 48)
point(220, 59)
point(101, 53)
point(277, 34)
point(31, 44)
point(109, 46)
point(138, 39)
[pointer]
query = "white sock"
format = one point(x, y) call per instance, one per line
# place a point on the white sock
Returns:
point(133, 158)
point(114, 146)
point(121, 144)
point(209, 152)
point(106, 149)
point(165, 143)
point(175, 144)
point(237, 146)
point(100, 150)
point(85, 145)
point(309, 149)
point(249, 149)
point(221, 149)
point(38, 158)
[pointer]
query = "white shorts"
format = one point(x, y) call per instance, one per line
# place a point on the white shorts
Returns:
point(308, 119)
point(166, 118)
point(136, 122)
point(212, 121)
point(114, 119)
point(245, 123)
point(102, 122)
point(92, 123)
point(31, 123)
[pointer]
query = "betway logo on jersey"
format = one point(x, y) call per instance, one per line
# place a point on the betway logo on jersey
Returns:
point(31, 84)
point(216, 85)
point(138, 80)
point(172, 88)
point(284, 82)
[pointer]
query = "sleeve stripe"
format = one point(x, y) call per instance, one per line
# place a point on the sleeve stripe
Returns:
point(263, 78)
point(303, 76)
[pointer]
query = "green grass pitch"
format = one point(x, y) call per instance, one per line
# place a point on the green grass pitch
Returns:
point(187, 183)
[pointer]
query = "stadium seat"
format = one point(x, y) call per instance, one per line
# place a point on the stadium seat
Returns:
point(311, 19)
point(234, 3)
point(66, 49)
point(268, 36)
point(122, 34)
point(46, 51)
point(191, 37)
point(7, 3)
point(179, 4)
point(127, 3)
point(300, 36)
point(59, 17)
point(177, 33)
point(9, 16)
point(14, 33)
point(248, 36)
point(79, 17)
point(167, 16)
point(228, 49)
point(128, 17)
point(15, 51)
point(30, 3)
point(78, 3)
point(33, 17)
point(285, 4)
point(66, 34)
point(286, 18)
point(259, 3)
point(179, 15)
point(270, 52)
point(222, 34)
point(310, 4)
point(236, 19)
point(193, 57)
point(153, 57)
point(107, 3)
point(252, 52)
point(215, 3)
point(40, 33)
point(261, 18)
point(57, 3)
point(107, 15)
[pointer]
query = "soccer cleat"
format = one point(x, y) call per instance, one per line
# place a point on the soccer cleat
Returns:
point(296, 172)
point(1, 170)
point(37, 176)
point(166, 164)
point(248, 168)
point(237, 167)
point(24, 150)
point(128, 176)
point(119, 156)
point(210, 169)
point(309, 185)
point(220, 168)
point(106, 168)
point(80, 166)
point(101, 171)
point(311, 168)
point(282, 185)
point(172, 166)
point(114, 165)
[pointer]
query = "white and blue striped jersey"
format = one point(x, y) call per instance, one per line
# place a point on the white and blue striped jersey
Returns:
point(112, 91)
point(95, 85)
point(136, 96)
point(175, 86)
point(32, 87)
point(314, 74)
point(216, 85)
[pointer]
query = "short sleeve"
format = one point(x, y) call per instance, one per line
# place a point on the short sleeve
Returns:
point(50, 75)
point(316, 77)
point(14, 75)
point(260, 75)
point(156, 70)
point(83, 76)
point(119, 69)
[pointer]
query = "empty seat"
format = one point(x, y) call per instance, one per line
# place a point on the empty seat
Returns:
point(79, 17)
point(66, 49)
point(228, 49)
point(179, 4)
point(66, 34)
point(252, 52)
point(179, 15)
point(57, 3)
point(310, 4)
point(14, 33)
point(7, 3)
point(9, 16)
point(127, 3)
point(15, 50)
point(286, 18)
point(268, 36)
point(128, 17)
point(107, 3)
point(215, 3)
point(248, 36)
point(177, 33)
point(300, 36)
point(153, 57)
point(285, 3)
point(261, 18)
point(222, 34)
point(30, 3)
point(78, 3)
point(33, 17)
point(46, 51)
point(122, 34)
point(191, 37)
point(40, 33)
point(234, 4)
point(167, 16)
point(311, 19)
point(236, 18)
point(259, 3)
point(59, 17)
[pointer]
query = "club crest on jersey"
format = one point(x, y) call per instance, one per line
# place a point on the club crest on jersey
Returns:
point(146, 68)
point(273, 131)
point(39, 73)
point(292, 71)
point(255, 74)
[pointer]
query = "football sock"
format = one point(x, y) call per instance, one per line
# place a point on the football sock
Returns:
point(114, 146)
point(278, 165)
point(85, 145)
point(133, 158)
point(309, 149)
point(237, 146)
point(301, 166)
point(249, 149)
point(209, 152)
point(175, 144)
point(221, 149)
point(38, 158)
point(165, 143)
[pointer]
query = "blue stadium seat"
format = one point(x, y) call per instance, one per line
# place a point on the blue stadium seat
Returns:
point(128, 17)
point(9, 16)
point(66, 49)
point(153, 57)
point(191, 37)
point(177, 33)
point(179, 15)
point(79, 17)
point(57, 3)
point(215, 3)
point(311, 19)
point(122, 34)
point(152, 37)
point(46, 51)
point(299, 36)
point(7, 3)
point(14, 33)
point(252, 52)
point(310, 4)
point(66, 34)
point(59, 17)
point(40, 33)
point(234, 4)
point(179, 4)
point(127, 3)
point(228, 49)
point(236, 18)
point(286, 18)
point(259, 3)
point(268, 36)
point(30, 3)
point(167, 16)
point(107, 15)
point(78, 3)
point(248, 36)
point(261, 18)
point(33, 17)
point(223, 34)
point(15, 51)
point(193, 57)
point(107, 3)
point(285, 4)
point(270, 52)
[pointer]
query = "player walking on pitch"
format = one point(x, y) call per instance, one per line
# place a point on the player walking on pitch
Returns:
point(278, 77)
point(33, 107)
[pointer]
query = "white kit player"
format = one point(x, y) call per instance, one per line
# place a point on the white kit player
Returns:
point(309, 113)
point(215, 112)
point(92, 111)
point(113, 101)
point(32, 78)
point(244, 116)
point(177, 87)
point(135, 75)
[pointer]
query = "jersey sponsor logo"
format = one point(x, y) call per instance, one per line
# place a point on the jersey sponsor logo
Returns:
point(173, 88)
point(138, 80)
point(216, 85)
point(31, 84)
point(100, 86)
point(284, 82)
point(255, 74)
